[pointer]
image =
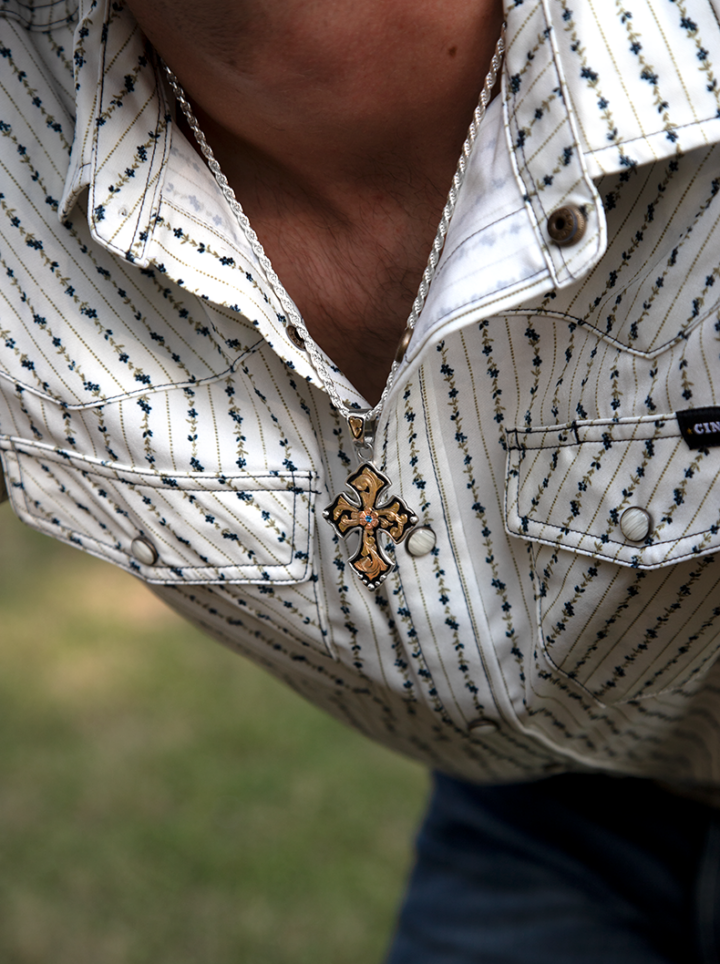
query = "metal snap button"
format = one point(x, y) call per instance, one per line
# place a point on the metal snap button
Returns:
point(295, 337)
point(567, 225)
point(144, 551)
point(635, 524)
point(403, 344)
point(421, 541)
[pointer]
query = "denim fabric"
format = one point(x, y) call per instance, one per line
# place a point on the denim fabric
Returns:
point(576, 868)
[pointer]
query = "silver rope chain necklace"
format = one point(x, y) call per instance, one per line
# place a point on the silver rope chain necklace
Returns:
point(368, 510)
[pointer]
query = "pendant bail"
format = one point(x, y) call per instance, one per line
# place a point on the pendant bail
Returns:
point(362, 429)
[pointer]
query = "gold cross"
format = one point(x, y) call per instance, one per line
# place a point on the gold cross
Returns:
point(370, 517)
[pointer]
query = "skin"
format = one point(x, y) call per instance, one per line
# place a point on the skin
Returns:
point(338, 124)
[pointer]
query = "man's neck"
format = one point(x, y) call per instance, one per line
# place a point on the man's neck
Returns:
point(338, 123)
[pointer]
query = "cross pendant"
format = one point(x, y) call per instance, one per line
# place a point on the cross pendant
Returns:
point(369, 514)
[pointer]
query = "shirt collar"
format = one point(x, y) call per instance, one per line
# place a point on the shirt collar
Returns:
point(139, 202)
point(122, 133)
point(571, 115)
point(618, 120)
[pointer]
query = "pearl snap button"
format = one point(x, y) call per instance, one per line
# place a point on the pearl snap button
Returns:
point(482, 726)
point(567, 225)
point(421, 541)
point(403, 344)
point(635, 524)
point(295, 337)
point(144, 551)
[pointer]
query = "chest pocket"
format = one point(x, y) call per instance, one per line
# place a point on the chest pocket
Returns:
point(185, 528)
point(622, 520)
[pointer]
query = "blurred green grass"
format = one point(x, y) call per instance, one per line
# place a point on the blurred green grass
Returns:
point(162, 800)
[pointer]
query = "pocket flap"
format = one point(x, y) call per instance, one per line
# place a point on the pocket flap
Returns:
point(237, 528)
point(569, 485)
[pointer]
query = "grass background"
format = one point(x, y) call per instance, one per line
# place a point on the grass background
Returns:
point(163, 801)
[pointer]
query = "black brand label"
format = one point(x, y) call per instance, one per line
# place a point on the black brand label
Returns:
point(700, 427)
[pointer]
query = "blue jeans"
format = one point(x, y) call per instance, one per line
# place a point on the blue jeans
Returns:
point(577, 868)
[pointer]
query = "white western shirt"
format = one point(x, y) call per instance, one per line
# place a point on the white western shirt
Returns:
point(149, 390)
